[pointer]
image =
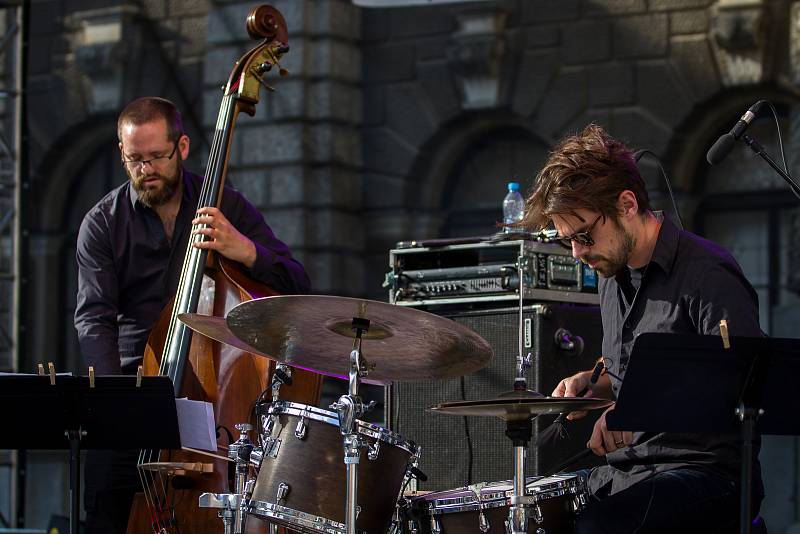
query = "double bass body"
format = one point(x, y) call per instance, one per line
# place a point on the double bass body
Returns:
point(203, 369)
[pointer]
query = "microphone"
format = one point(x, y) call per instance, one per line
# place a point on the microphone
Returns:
point(725, 143)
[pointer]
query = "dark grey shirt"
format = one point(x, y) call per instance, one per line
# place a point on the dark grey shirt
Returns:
point(128, 270)
point(689, 285)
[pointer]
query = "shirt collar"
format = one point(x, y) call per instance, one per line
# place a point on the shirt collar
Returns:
point(666, 248)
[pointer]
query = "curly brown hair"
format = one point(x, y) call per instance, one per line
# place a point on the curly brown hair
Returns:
point(588, 170)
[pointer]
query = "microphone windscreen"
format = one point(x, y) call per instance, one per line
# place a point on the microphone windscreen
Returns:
point(720, 149)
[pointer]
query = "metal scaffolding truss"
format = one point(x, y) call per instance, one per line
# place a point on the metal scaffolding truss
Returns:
point(12, 24)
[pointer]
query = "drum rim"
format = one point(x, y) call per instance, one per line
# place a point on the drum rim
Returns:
point(294, 518)
point(372, 430)
point(565, 485)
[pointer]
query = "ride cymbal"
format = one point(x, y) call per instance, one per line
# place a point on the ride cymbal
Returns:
point(315, 332)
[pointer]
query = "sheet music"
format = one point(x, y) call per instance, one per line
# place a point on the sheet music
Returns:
point(196, 424)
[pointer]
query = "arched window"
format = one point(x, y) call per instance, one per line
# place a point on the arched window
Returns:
point(472, 199)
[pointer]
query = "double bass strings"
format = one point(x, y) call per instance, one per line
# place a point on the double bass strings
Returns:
point(153, 484)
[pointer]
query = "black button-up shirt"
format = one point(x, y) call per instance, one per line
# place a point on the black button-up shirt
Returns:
point(689, 286)
point(128, 270)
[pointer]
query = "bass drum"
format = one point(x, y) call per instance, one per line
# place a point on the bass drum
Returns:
point(302, 482)
point(483, 508)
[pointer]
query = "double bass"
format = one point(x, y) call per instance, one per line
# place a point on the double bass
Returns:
point(202, 369)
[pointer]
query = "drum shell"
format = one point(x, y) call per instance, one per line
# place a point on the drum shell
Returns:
point(556, 505)
point(313, 467)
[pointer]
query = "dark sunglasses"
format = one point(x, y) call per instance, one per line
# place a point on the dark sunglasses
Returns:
point(583, 238)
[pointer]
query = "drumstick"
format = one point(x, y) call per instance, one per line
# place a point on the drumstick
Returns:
point(556, 428)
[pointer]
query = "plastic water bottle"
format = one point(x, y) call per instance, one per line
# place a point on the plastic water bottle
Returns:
point(513, 208)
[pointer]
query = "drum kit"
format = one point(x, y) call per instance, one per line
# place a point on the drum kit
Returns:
point(299, 481)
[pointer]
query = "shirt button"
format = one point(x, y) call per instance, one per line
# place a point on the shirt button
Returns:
point(627, 325)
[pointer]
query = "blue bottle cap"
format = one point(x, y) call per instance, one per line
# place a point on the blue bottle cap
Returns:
point(513, 186)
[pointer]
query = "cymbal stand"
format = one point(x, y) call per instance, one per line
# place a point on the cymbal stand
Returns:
point(519, 431)
point(523, 362)
point(349, 408)
point(234, 505)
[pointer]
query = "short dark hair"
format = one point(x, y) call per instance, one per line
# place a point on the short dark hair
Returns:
point(148, 109)
point(588, 170)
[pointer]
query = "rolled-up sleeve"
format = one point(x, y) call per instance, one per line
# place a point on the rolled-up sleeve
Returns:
point(274, 263)
point(97, 300)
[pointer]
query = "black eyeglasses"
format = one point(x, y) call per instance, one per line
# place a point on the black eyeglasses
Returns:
point(140, 163)
point(583, 238)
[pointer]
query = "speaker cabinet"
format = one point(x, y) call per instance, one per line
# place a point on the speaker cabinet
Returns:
point(457, 451)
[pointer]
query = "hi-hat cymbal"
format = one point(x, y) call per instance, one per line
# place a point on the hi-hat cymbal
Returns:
point(314, 332)
point(511, 408)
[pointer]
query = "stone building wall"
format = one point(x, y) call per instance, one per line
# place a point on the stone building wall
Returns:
point(365, 143)
point(659, 74)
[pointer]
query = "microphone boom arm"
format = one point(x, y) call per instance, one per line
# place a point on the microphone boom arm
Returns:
point(756, 147)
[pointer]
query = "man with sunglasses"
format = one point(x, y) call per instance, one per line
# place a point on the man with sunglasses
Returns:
point(130, 253)
point(654, 277)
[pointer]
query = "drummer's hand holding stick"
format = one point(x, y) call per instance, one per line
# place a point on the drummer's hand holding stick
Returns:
point(581, 384)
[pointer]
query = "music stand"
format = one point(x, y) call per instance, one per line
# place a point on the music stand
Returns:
point(692, 384)
point(71, 413)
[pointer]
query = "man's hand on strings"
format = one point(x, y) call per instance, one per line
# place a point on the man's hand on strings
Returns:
point(224, 237)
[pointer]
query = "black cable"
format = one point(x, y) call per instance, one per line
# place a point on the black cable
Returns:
point(638, 156)
point(649, 505)
point(780, 138)
point(793, 185)
point(467, 434)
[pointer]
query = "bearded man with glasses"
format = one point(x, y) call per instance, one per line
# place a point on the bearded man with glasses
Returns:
point(130, 252)
point(654, 277)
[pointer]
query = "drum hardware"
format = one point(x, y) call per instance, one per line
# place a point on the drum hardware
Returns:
point(432, 347)
point(459, 510)
point(518, 412)
point(483, 522)
point(350, 407)
point(240, 452)
point(281, 376)
point(300, 429)
point(228, 503)
point(373, 450)
point(283, 491)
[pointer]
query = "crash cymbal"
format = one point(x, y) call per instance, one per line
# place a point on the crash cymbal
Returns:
point(314, 332)
point(510, 408)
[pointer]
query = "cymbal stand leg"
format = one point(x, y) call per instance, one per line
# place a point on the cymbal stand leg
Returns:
point(520, 433)
point(349, 408)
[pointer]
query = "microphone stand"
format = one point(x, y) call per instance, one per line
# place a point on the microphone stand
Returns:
point(756, 147)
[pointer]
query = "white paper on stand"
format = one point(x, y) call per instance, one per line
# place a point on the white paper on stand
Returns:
point(196, 424)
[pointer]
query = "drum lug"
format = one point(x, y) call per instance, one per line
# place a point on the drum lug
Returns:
point(413, 527)
point(283, 491)
point(578, 502)
point(537, 514)
point(373, 450)
point(436, 527)
point(267, 424)
point(483, 522)
point(300, 429)
point(271, 447)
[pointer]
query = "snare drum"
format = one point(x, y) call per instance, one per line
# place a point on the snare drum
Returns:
point(483, 508)
point(302, 482)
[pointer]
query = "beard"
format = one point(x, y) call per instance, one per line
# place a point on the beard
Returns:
point(156, 193)
point(609, 265)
